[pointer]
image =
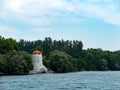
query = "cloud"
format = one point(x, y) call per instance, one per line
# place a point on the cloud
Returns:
point(102, 11)
point(45, 12)
point(35, 12)
point(6, 29)
point(15, 5)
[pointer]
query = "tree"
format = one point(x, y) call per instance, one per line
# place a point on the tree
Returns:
point(3, 64)
point(18, 63)
point(77, 48)
point(102, 65)
point(7, 44)
point(59, 61)
point(2, 45)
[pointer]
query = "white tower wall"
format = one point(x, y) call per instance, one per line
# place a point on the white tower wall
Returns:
point(37, 62)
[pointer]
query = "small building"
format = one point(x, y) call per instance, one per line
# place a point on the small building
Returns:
point(37, 62)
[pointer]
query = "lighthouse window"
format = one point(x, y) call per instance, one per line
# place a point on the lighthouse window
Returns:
point(36, 53)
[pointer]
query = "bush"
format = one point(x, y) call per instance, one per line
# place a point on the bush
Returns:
point(60, 62)
point(15, 63)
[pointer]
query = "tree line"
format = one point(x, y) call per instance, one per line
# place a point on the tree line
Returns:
point(12, 60)
point(61, 54)
point(58, 55)
point(47, 45)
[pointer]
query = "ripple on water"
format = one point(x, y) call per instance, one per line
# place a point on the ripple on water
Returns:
point(67, 81)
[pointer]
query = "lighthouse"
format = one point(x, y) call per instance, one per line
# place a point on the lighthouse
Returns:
point(37, 62)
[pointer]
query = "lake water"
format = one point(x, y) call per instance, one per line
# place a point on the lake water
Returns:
point(68, 81)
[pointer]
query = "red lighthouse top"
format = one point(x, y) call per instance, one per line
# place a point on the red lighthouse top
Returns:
point(37, 52)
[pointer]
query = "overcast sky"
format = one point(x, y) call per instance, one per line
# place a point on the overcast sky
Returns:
point(95, 22)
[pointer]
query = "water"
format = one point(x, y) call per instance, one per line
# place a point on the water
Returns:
point(68, 81)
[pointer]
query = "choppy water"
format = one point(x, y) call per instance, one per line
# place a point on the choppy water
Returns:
point(68, 81)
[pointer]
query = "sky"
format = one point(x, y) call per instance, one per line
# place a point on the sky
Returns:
point(94, 22)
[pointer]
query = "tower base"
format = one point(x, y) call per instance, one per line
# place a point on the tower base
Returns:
point(42, 69)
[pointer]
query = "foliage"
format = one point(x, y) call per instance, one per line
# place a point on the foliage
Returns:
point(7, 44)
point(47, 45)
point(3, 64)
point(90, 59)
point(58, 55)
point(15, 63)
point(59, 61)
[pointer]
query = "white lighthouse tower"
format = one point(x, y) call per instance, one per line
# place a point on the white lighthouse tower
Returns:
point(38, 66)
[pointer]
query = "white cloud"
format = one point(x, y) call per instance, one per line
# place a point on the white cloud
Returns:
point(15, 5)
point(33, 12)
point(8, 29)
point(42, 12)
point(107, 12)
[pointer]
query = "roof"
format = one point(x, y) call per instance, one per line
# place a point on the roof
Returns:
point(37, 52)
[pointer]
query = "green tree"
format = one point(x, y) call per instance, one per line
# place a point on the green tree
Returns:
point(7, 44)
point(59, 61)
point(3, 64)
point(102, 65)
point(18, 63)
